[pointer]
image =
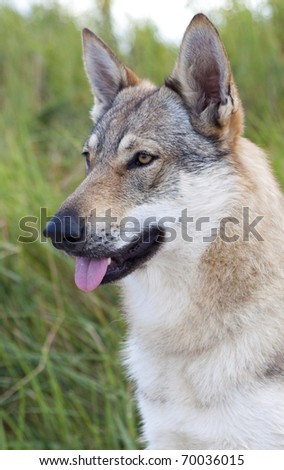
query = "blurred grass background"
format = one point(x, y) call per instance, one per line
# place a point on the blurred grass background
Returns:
point(61, 382)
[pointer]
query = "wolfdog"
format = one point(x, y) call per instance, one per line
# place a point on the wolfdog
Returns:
point(184, 212)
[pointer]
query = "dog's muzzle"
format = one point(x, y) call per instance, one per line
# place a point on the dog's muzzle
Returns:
point(68, 232)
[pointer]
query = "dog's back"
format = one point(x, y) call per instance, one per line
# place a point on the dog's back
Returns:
point(203, 296)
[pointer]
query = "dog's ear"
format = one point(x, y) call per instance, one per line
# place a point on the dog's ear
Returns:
point(106, 73)
point(202, 76)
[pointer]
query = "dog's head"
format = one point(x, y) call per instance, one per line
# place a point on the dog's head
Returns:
point(147, 155)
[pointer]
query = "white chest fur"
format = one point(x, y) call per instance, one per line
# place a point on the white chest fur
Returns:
point(192, 396)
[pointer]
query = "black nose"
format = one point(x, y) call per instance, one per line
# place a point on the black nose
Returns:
point(65, 227)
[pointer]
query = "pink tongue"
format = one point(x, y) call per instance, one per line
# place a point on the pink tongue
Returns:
point(89, 273)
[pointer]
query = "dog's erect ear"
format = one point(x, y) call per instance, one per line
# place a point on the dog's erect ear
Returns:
point(106, 73)
point(203, 78)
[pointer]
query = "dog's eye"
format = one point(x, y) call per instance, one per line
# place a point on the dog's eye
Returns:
point(143, 158)
point(86, 154)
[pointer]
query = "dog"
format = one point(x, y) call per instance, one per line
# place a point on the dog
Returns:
point(184, 213)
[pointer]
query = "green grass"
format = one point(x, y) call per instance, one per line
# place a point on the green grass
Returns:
point(62, 385)
point(61, 382)
point(256, 53)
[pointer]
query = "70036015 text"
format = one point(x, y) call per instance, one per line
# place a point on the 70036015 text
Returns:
point(208, 459)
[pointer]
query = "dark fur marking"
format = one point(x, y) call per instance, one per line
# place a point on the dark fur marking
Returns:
point(276, 368)
point(174, 85)
point(157, 399)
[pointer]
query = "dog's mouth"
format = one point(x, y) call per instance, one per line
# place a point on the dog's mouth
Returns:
point(92, 271)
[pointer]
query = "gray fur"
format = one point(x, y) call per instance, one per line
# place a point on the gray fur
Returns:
point(159, 115)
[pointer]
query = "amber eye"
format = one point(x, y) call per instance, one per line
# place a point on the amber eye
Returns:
point(143, 158)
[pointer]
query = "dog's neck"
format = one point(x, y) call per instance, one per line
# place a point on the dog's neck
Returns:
point(164, 303)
